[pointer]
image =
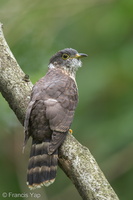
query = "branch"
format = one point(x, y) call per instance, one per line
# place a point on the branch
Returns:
point(13, 86)
point(75, 160)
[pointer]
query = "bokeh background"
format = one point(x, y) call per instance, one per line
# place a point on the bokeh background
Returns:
point(103, 122)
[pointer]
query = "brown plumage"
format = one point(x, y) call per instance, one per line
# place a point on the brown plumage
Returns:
point(49, 116)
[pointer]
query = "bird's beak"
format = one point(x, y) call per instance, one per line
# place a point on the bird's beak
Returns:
point(80, 55)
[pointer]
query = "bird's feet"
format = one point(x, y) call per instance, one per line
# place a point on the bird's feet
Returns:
point(70, 131)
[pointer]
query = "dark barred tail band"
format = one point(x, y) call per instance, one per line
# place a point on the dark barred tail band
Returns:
point(42, 167)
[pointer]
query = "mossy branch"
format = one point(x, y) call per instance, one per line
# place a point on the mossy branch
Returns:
point(75, 160)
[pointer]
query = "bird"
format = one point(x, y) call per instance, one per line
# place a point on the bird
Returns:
point(49, 115)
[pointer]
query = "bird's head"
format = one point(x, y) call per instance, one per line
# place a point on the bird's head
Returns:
point(67, 60)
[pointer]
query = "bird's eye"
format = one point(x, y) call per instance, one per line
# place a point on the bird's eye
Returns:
point(65, 56)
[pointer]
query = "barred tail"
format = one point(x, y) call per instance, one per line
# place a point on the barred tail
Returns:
point(42, 167)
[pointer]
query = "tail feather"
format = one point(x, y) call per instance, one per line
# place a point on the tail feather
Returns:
point(42, 167)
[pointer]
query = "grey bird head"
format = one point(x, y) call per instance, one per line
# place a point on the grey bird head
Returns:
point(67, 59)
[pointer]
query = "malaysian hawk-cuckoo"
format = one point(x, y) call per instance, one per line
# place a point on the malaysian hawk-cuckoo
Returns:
point(49, 115)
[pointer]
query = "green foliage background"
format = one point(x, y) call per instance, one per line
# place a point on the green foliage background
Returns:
point(103, 122)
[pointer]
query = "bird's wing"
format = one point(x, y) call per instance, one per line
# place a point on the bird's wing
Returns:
point(60, 109)
point(61, 105)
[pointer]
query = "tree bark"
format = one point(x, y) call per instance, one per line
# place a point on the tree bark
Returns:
point(74, 159)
